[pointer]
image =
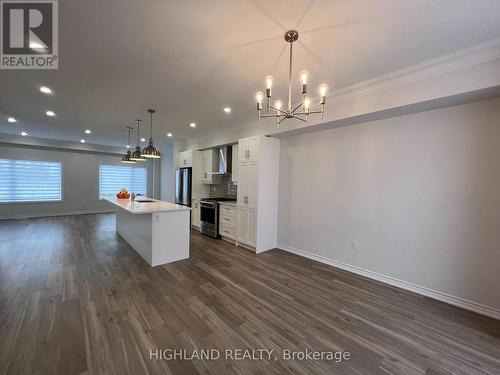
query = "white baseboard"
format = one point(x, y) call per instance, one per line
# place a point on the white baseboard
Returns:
point(49, 214)
point(440, 296)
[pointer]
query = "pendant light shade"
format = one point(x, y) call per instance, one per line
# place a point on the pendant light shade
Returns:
point(137, 154)
point(151, 151)
point(126, 158)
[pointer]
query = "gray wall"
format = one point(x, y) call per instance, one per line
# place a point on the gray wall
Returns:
point(167, 171)
point(421, 194)
point(80, 181)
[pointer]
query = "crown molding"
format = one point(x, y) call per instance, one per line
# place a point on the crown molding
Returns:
point(463, 58)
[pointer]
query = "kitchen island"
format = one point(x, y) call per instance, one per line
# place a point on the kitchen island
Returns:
point(157, 230)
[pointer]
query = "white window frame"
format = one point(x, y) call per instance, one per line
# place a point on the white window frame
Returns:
point(118, 164)
point(3, 156)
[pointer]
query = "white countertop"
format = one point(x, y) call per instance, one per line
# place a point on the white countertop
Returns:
point(137, 207)
point(229, 203)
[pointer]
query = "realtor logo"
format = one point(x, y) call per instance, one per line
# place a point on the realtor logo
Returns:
point(29, 34)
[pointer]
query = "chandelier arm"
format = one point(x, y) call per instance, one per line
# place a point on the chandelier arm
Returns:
point(280, 121)
point(308, 113)
point(297, 107)
point(277, 109)
point(300, 118)
point(274, 115)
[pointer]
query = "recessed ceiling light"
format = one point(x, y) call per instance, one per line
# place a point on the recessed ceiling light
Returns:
point(143, 139)
point(45, 90)
point(193, 125)
point(82, 140)
point(24, 134)
point(11, 120)
point(50, 113)
point(169, 134)
point(88, 131)
point(227, 109)
point(128, 146)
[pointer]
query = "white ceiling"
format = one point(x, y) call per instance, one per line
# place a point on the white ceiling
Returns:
point(189, 59)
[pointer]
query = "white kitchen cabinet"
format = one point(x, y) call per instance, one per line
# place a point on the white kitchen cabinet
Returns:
point(195, 213)
point(258, 172)
point(247, 229)
point(248, 184)
point(210, 164)
point(248, 149)
point(185, 159)
point(228, 221)
point(235, 164)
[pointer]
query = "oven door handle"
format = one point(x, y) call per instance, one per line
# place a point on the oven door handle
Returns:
point(208, 204)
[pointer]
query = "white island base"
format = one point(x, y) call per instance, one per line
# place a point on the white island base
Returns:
point(158, 231)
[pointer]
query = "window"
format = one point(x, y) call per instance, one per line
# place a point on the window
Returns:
point(114, 177)
point(30, 180)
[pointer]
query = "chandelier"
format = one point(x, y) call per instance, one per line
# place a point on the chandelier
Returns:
point(300, 111)
point(137, 154)
point(127, 157)
point(150, 151)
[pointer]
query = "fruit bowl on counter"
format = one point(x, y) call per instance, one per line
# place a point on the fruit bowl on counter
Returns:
point(123, 194)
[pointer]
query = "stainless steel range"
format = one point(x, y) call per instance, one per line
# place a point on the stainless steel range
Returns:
point(209, 215)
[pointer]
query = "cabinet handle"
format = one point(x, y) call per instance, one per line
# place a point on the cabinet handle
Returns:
point(226, 219)
point(245, 200)
point(205, 174)
point(184, 161)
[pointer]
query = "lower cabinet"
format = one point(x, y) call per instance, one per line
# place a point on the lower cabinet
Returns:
point(195, 213)
point(228, 221)
point(247, 231)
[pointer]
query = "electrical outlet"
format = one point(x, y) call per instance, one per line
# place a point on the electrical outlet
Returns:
point(354, 245)
point(157, 218)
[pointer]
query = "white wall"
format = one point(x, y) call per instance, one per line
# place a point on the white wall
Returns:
point(421, 194)
point(80, 181)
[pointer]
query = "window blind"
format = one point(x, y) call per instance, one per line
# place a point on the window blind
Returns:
point(114, 177)
point(30, 180)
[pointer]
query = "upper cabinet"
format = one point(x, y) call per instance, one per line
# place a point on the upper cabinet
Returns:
point(185, 159)
point(248, 149)
point(209, 164)
point(193, 159)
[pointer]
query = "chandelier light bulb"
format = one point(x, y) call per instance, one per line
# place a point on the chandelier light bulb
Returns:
point(258, 98)
point(269, 82)
point(323, 88)
point(307, 104)
point(304, 75)
point(278, 104)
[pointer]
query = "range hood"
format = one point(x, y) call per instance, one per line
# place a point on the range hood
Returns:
point(225, 155)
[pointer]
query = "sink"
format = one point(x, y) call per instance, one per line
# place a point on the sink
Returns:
point(144, 200)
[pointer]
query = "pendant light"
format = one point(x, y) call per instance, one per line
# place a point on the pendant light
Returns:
point(151, 151)
point(126, 158)
point(137, 154)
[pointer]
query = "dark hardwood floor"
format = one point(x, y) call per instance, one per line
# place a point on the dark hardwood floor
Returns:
point(76, 299)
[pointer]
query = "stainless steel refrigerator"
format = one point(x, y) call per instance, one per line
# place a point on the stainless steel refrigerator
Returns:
point(183, 186)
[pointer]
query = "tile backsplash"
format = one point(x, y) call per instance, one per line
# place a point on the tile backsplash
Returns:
point(222, 187)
